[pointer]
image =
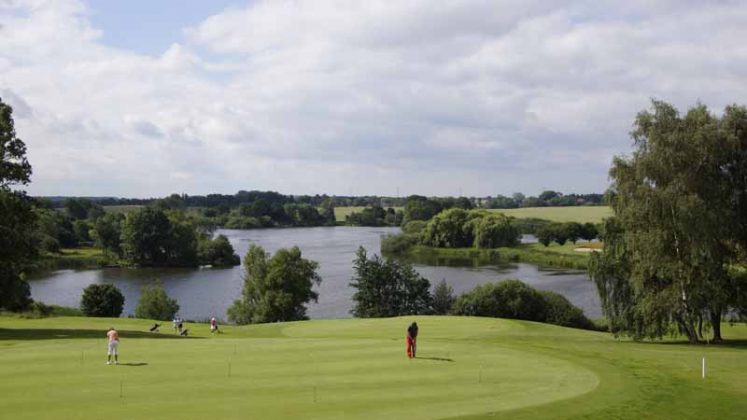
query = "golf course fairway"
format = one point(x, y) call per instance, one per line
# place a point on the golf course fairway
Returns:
point(357, 368)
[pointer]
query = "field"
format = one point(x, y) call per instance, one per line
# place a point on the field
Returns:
point(341, 212)
point(466, 368)
point(581, 214)
point(554, 255)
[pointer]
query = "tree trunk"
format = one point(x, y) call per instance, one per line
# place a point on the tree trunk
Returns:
point(688, 327)
point(716, 324)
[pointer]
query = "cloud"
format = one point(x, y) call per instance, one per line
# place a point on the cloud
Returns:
point(359, 97)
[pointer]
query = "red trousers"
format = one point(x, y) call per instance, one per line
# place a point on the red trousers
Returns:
point(411, 345)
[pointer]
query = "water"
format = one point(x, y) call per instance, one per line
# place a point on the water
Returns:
point(207, 292)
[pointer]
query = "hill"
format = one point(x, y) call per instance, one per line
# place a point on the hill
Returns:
point(466, 367)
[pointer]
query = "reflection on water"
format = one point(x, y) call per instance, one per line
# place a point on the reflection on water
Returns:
point(207, 292)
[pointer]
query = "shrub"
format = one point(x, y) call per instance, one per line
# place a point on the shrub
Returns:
point(507, 299)
point(102, 300)
point(414, 227)
point(516, 300)
point(154, 303)
point(58, 310)
point(41, 309)
point(397, 244)
point(562, 312)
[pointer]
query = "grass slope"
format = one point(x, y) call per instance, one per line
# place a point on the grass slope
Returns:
point(467, 367)
point(581, 214)
point(554, 255)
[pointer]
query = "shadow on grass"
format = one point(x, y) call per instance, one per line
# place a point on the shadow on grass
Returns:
point(56, 334)
point(134, 364)
point(438, 359)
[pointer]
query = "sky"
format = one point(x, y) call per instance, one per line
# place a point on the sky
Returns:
point(477, 97)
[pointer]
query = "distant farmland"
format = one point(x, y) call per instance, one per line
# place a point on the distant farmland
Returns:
point(581, 214)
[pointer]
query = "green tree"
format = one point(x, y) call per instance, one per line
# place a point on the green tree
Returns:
point(14, 167)
point(102, 300)
point(82, 231)
point(107, 232)
point(217, 252)
point(154, 303)
point(493, 230)
point(16, 216)
point(276, 288)
point(449, 229)
point(443, 298)
point(667, 250)
point(153, 237)
point(588, 232)
point(387, 288)
point(420, 208)
point(545, 234)
point(145, 236)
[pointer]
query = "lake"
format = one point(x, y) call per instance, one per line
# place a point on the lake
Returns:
point(207, 292)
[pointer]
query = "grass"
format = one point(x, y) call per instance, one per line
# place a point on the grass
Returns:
point(467, 368)
point(581, 214)
point(554, 255)
point(342, 212)
point(73, 258)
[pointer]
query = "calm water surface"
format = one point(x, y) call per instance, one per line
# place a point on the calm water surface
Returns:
point(207, 292)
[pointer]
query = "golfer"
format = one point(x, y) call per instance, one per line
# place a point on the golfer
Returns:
point(412, 335)
point(213, 325)
point(113, 337)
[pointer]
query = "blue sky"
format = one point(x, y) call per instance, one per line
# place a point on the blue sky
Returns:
point(486, 97)
point(150, 27)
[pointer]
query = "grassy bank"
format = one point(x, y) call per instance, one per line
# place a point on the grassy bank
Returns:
point(467, 368)
point(580, 214)
point(561, 256)
point(74, 258)
point(342, 212)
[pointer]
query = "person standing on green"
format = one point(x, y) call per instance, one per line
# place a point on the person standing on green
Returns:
point(412, 335)
point(113, 337)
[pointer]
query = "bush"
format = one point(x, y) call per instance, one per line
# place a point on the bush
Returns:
point(516, 300)
point(397, 244)
point(102, 300)
point(562, 312)
point(58, 310)
point(507, 299)
point(156, 304)
point(41, 309)
point(414, 227)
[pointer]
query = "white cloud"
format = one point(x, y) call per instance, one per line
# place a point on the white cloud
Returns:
point(359, 97)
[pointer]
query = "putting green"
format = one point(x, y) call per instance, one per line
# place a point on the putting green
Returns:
point(55, 368)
